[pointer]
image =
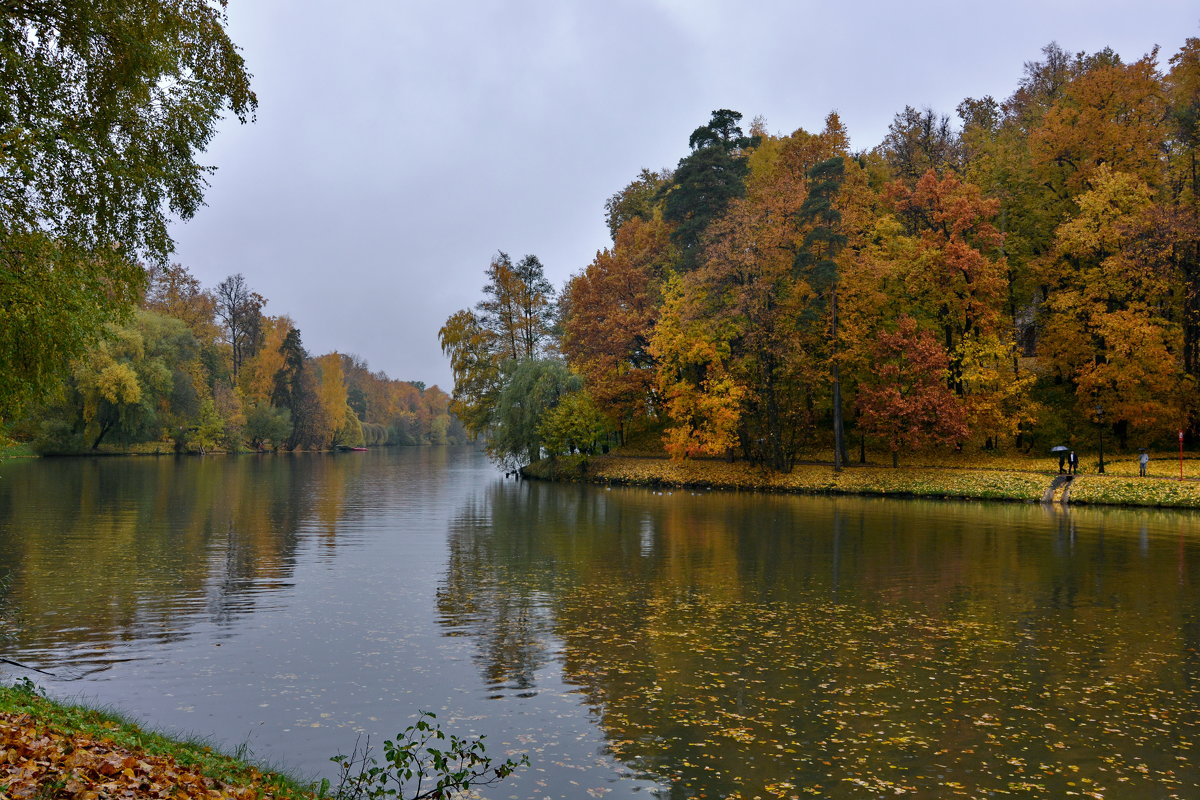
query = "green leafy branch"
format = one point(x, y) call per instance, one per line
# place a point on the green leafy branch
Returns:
point(422, 763)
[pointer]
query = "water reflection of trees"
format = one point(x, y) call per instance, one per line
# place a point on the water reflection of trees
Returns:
point(106, 551)
point(766, 645)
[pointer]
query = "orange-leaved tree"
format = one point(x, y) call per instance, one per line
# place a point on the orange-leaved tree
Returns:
point(1111, 321)
point(702, 399)
point(955, 280)
point(904, 401)
point(609, 314)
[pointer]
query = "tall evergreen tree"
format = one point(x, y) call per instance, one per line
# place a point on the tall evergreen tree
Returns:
point(817, 263)
point(296, 390)
point(706, 181)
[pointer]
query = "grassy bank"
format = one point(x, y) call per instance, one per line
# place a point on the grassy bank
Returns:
point(978, 477)
point(11, 449)
point(56, 749)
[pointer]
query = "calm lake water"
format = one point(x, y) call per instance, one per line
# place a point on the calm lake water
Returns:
point(630, 642)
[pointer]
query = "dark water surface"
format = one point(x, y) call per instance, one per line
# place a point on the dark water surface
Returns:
point(630, 642)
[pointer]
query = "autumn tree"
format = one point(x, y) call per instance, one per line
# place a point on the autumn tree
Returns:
point(638, 200)
point(609, 311)
point(1181, 206)
point(1042, 85)
point(256, 379)
point(173, 290)
point(102, 113)
point(110, 396)
point(905, 402)
point(141, 382)
point(950, 267)
point(517, 306)
point(1109, 331)
point(738, 358)
point(701, 396)
point(344, 427)
point(1111, 113)
point(511, 324)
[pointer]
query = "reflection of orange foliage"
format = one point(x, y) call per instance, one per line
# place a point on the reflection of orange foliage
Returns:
point(233, 524)
point(700, 549)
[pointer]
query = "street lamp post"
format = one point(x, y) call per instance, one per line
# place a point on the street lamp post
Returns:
point(1100, 419)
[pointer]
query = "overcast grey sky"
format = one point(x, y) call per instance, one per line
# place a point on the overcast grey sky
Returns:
point(400, 144)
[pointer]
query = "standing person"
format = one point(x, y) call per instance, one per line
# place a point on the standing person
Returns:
point(1143, 460)
point(1061, 457)
point(1072, 462)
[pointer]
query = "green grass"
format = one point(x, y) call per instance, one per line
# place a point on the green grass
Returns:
point(69, 720)
point(11, 449)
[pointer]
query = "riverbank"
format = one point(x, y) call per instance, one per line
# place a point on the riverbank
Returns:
point(9, 449)
point(53, 749)
point(1013, 479)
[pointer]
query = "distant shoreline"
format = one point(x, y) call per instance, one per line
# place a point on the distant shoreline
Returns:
point(22, 451)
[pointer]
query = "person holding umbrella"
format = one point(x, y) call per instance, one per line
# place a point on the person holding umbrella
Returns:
point(1062, 457)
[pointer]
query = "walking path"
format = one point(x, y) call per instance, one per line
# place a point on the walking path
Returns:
point(1059, 490)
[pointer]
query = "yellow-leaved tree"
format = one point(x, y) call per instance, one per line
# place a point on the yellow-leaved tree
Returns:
point(1111, 323)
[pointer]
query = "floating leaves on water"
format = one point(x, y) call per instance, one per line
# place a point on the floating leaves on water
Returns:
point(726, 696)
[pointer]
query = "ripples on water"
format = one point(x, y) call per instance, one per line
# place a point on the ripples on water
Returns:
point(690, 644)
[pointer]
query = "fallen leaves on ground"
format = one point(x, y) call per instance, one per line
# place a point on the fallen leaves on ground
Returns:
point(981, 482)
point(919, 482)
point(36, 762)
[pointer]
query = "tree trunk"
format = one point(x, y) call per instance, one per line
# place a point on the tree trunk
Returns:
point(840, 456)
point(104, 429)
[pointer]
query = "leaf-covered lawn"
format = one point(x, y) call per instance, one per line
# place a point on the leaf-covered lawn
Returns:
point(1117, 490)
point(916, 482)
point(51, 750)
point(993, 479)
